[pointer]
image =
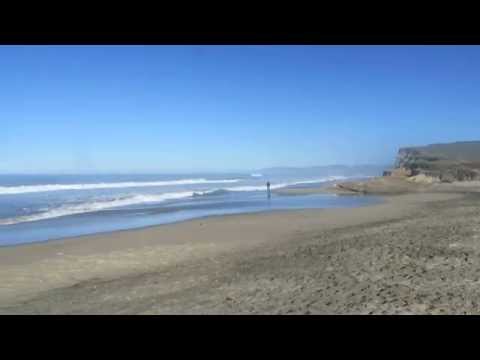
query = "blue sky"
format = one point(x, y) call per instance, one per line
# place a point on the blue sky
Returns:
point(194, 108)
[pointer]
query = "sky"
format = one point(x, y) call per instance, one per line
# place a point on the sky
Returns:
point(69, 109)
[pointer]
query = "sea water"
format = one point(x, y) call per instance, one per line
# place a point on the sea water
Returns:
point(45, 207)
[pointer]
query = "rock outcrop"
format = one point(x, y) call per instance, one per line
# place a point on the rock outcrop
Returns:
point(458, 161)
point(389, 185)
point(419, 169)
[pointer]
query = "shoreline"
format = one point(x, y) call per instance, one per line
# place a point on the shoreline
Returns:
point(309, 191)
point(30, 272)
point(65, 241)
point(147, 227)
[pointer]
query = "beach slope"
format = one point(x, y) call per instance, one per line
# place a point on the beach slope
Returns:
point(413, 254)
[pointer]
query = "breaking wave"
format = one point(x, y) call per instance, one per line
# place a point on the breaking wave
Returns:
point(102, 205)
point(282, 185)
point(23, 189)
point(98, 205)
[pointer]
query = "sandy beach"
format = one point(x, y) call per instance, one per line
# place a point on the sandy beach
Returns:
point(412, 254)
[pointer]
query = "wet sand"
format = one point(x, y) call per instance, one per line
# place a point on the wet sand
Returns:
point(414, 254)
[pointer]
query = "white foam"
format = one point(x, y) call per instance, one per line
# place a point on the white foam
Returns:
point(282, 185)
point(99, 205)
point(23, 189)
point(94, 206)
point(329, 178)
point(256, 175)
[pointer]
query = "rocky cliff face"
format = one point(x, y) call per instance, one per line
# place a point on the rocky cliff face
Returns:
point(445, 162)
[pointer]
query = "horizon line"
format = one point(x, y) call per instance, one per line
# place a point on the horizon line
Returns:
point(172, 171)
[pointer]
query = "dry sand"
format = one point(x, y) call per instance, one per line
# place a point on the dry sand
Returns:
point(414, 254)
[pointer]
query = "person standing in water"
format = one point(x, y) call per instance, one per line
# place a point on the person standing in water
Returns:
point(268, 189)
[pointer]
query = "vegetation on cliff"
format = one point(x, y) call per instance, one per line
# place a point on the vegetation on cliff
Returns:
point(458, 161)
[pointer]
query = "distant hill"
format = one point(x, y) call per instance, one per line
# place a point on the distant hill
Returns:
point(327, 170)
point(447, 162)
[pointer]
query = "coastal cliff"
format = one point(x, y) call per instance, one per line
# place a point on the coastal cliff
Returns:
point(422, 168)
point(459, 161)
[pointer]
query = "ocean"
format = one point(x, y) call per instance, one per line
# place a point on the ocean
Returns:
point(45, 207)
